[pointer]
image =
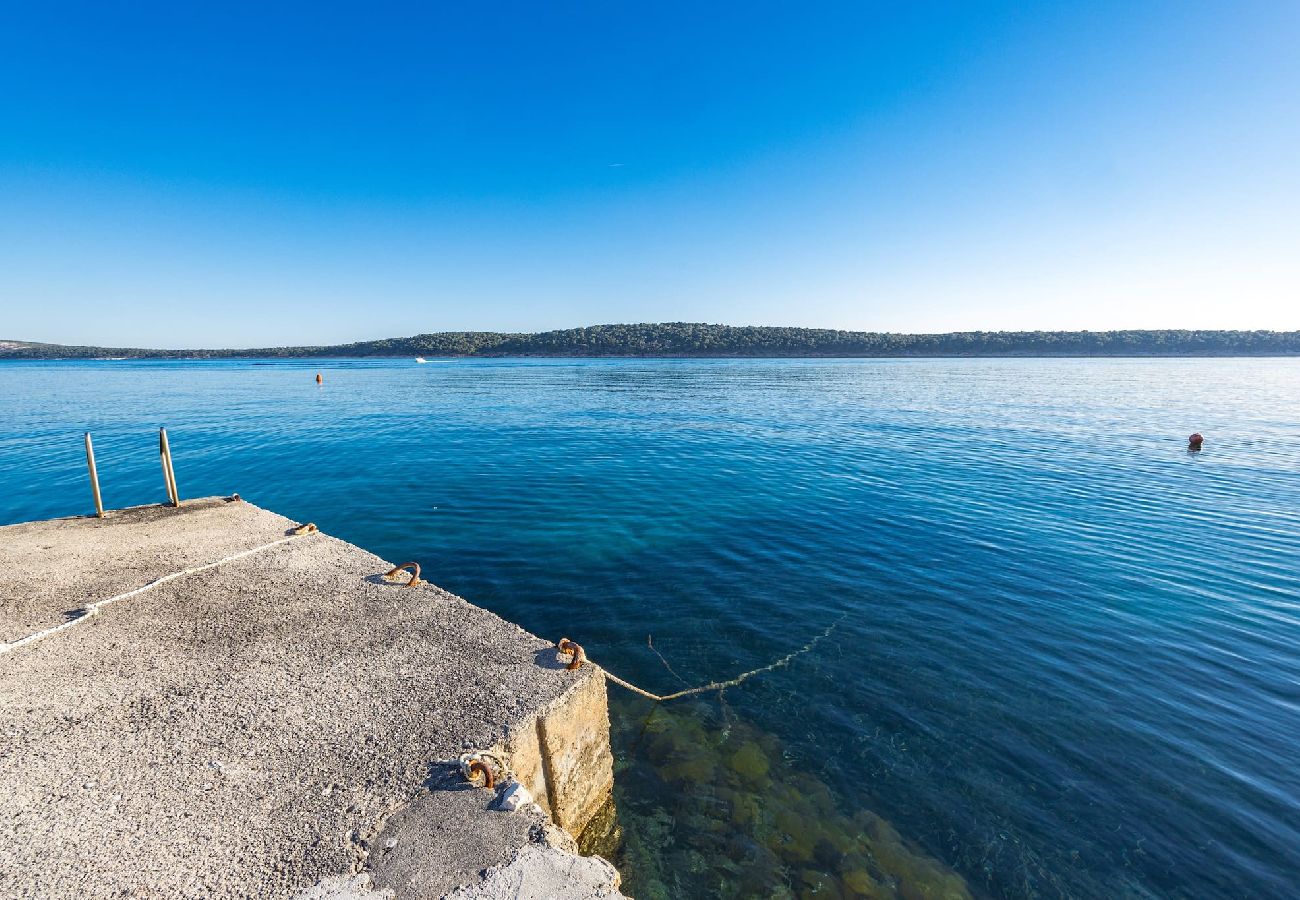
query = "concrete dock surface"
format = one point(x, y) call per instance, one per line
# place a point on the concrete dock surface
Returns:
point(282, 724)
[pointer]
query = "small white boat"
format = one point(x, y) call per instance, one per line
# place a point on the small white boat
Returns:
point(421, 359)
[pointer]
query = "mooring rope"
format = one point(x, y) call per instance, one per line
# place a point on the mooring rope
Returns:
point(580, 656)
point(650, 642)
point(93, 608)
point(566, 647)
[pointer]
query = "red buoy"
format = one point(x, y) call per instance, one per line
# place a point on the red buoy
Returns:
point(1194, 441)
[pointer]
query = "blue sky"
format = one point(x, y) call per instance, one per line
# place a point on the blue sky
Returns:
point(231, 175)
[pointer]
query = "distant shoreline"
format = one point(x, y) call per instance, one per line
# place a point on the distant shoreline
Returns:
point(516, 356)
point(681, 340)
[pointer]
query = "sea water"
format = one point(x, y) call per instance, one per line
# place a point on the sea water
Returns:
point(1061, 653)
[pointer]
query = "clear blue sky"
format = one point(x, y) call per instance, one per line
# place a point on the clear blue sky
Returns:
point(216, 174)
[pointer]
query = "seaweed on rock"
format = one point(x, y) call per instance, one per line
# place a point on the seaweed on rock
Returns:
point(716, 812)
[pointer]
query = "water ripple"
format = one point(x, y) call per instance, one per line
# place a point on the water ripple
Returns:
point(1067, 660)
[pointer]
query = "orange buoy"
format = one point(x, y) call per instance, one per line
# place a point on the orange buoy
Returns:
point(319, 380)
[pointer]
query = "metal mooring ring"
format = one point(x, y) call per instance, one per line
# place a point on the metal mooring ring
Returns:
point(567, 646)
point(475, 767)
point(415, 574)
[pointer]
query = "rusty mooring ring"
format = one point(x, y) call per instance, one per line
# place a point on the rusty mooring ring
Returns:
point(415, 574)
point(567, 646)
point(475, 767)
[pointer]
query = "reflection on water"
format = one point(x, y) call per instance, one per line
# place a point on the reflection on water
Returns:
point(714, 808)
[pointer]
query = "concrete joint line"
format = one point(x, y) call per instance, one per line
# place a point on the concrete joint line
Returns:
point(548, 774)
point(93, 608)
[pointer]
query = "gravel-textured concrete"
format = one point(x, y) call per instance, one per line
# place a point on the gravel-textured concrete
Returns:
point(244, 731)
point(446, 837)
point(49, 569)
point(536, 872)
point(456, 835)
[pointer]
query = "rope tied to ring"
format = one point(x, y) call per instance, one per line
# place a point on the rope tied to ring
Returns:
point(567, 649)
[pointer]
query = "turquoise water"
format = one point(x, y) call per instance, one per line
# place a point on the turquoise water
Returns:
point(1066, 659)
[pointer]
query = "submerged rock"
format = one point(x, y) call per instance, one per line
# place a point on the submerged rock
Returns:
point(746, 822)
point(750, 763)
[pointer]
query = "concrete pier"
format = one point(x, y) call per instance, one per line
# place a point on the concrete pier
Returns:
point(278, 720)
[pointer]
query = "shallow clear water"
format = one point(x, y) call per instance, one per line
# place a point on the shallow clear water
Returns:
point(1066, 659)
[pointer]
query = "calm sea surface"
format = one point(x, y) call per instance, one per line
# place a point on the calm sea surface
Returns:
point(1065, 658)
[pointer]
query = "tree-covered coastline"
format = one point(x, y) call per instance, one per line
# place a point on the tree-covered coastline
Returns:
point(682, 339)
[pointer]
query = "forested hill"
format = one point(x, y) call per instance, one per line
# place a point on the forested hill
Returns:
point(685, 339)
